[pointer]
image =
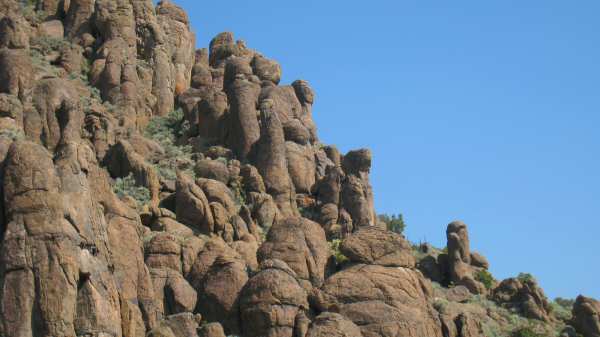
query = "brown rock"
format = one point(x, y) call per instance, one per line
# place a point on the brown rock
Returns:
point(192, 206)
point(212, 169)
point(271, 301)
point(300, 243)
point(122, 160)
point(301, 166)
point(14, 32)
point(265, 69)
point(217, 191)
point(252, 180)
point(331, 324)
point(459, 266)
point(372, 245)
point(244, 130)
point(382, 301)
point(586, 316)
point(52, 29)
point(16, 72)
point(163, 251)
point(271, 161)
point(525, 296)
point(479, 260)
point(211, 330)
point(219, 291)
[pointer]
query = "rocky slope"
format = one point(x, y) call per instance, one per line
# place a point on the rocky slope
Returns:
point(151, 189)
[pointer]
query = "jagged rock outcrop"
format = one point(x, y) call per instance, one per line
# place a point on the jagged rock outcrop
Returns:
point(460, 269)
point(525, 296)
point(586, 316)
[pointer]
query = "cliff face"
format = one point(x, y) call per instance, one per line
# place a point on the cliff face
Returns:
point(151, 189)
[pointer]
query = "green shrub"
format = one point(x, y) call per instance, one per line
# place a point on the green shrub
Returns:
point(565, 302)
point(526, 332)
point(45, 44)
point(239, 192)
point(560, 312)
point(12, 134)
point(337, 254)
point(29, 12)
point(394, 223)
point(562, 308)
point(486, 278)
point(526, 277)
point(127, 187)
point(165, 130)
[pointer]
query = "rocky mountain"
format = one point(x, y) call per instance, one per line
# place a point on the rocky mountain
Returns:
point(151, 189)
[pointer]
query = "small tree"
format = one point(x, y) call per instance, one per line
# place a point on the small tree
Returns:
point(394, 223)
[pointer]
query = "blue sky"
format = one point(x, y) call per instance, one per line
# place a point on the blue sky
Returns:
point(485, 111)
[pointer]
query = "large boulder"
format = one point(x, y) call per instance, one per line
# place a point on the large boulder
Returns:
point(460, 270)
point(331, 324)
point(192, 206)
point(372, 245)
point(273, 303)
point(586, 316)
point(300, 243)
point(219, 291)
point(382, 301)
point(525, 296)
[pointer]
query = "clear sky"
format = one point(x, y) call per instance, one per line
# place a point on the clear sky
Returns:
point(484, 111)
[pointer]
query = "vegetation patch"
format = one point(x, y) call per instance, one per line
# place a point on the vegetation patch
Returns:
point(337, 254)
point(394, 223)
point(486, 278)
point(12, 134)
point(127, 187)
point(526, 277)
point(166, 130)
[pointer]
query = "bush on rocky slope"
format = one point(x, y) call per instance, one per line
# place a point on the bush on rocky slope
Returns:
point(166, 131)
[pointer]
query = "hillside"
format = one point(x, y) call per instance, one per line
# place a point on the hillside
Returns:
point(152, 189)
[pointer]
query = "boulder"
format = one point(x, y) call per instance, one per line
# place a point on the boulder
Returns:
point(192, 206)
point(332, 324)
point(212, 169)
point(586, 316)
point(382, 301)
point(211, 330)
point(460, 271)
point(525, 296)
point(300, 243)
point(219, 291)
point(272, 302)
point(372, 245)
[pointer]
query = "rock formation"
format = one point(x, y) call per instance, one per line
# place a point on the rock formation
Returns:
point(151, 189)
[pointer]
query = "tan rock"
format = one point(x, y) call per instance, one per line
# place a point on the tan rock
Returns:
point(300, 243)
point(371, 245)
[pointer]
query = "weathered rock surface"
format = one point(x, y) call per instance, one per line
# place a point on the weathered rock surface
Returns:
point(273, 303)
point(382, 301)
point(586, 316)
point(372, 245)
point(525, 296)
point(332, 324)
point(302, 245)
point(460, 270)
